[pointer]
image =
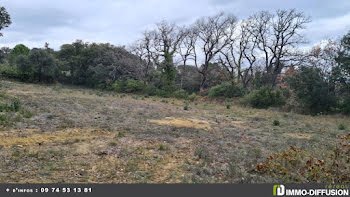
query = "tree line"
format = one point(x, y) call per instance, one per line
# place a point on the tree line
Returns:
point(260, 58)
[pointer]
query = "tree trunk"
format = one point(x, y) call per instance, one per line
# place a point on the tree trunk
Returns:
point(203, 80)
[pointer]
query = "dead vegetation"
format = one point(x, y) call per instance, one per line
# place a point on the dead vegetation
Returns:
point(189, 122)
point(77, 135)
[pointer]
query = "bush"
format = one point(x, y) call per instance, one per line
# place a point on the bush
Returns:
point(312, 90)
point(16, 104)
point(163, 147)
point(186, 106)
point(113, 144)
point(128, 86)
point(163, 93)
point(180, 94)
point(150, 90)
point(276, 123)
point(226, 89)
point(4, 107)
point(121, 134)
point(119, 86)
point(265, 97)
point(8, 72)
point(299, 166)
point(17, 118)
point(192, 97)
point(26, 113)
point(341, 127)
point(3, 117)
point(133, 86)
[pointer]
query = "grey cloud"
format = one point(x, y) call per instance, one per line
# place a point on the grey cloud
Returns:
point(39, 20)
point(120, 22)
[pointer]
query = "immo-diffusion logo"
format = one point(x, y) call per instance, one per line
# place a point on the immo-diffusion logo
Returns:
point(278, 190)
point(281, 190)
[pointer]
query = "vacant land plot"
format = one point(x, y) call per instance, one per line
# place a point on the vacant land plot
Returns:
point(76, 135)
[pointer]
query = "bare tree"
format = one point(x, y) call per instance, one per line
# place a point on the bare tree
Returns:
point(213, 34)
point(143, 48)
point(278, 35)
point(158, 48)
point(238, 57)
point(186, 50)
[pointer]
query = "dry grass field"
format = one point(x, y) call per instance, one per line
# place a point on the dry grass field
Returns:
point(67, 134)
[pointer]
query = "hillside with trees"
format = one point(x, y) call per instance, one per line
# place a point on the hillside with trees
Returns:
point(213, 55)
point(221, 100)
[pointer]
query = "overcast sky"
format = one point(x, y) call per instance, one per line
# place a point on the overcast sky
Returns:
point(120, 22)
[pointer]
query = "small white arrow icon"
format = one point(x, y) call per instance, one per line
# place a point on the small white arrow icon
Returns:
point(7, 190)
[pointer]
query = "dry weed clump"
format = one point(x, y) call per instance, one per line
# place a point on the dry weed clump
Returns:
point(295, 165)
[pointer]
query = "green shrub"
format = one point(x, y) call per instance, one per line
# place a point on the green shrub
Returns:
point(4, 107)
point(119, 86)
point(192, 97)
point(121, 134)
point(135, 97)
point(163, 93)
point(112, 144)
point(133, 86)
point(150, 90)
point(286, 93)
point(186, 107)
point(99, 93)
point(3, 117)
point(16, 104)
point(8, 71)
point(26, 113)
point(163, 147)
point(17, 118)
point(226, 89)
point(265, 97)
point(127, 86)
point(312, 90)
point(101, 85)
point(228, 106)
point(180, 94)
point(276, 123)
point(341, 127)
point(3, 95)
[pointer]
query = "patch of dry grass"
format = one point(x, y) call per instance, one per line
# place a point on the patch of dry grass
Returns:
point(181, 122)
point(32, 137)
point(299, 135)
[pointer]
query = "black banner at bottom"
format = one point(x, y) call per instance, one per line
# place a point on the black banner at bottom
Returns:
point(165, 190)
